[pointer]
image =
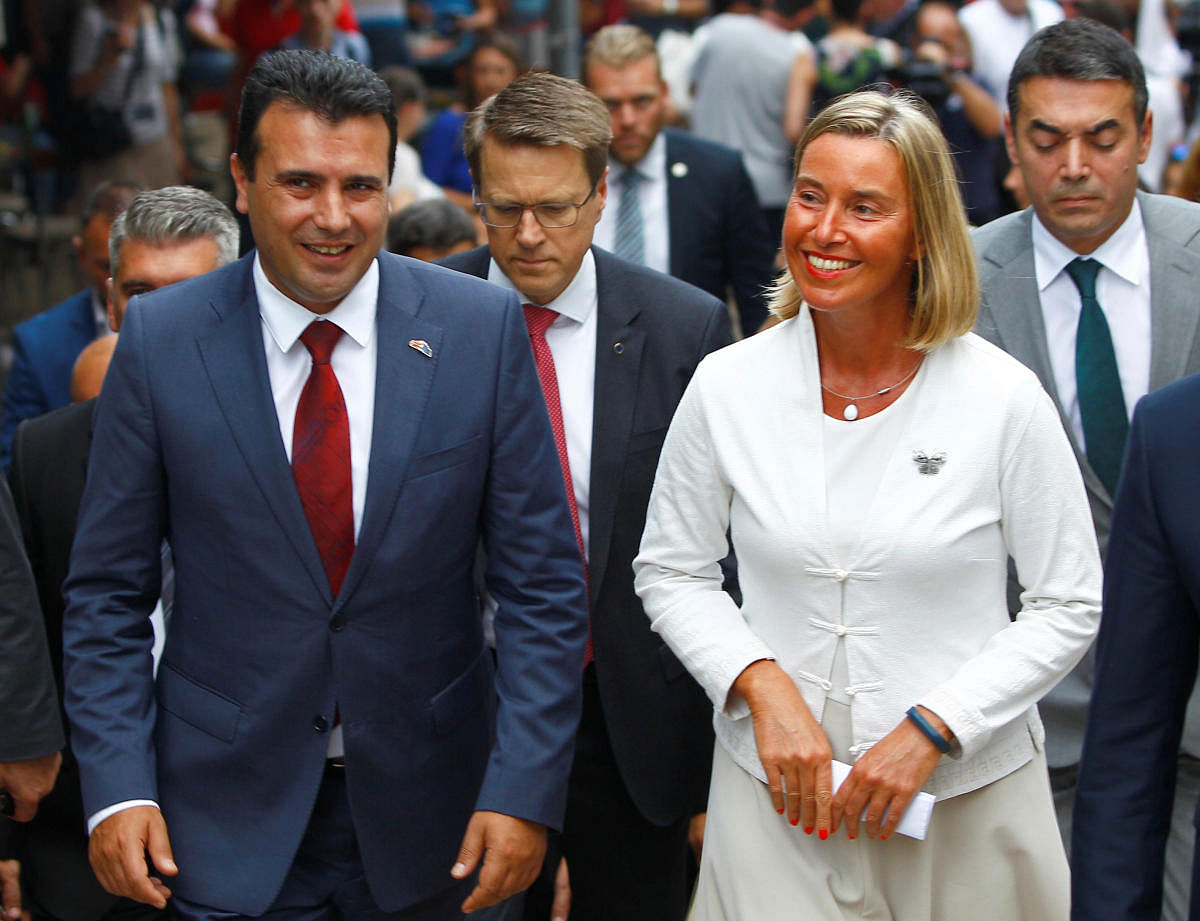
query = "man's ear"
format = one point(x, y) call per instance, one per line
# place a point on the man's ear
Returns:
point(240, 181)
point(1010, 141)
point(109, 308)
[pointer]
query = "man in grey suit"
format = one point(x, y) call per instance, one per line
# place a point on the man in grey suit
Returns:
point(1100, 331)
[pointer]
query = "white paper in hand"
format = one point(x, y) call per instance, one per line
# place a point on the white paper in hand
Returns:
point(915, 821)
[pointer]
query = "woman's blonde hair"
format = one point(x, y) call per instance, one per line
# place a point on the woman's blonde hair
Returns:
point(945, 298)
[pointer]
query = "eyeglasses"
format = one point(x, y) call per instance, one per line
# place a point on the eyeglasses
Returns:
point(550, 214)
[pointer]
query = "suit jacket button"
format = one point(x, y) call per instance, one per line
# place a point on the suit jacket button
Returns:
point(320, 723)
point(337, 623)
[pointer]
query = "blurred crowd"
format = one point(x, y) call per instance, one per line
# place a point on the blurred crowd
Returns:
point(146, 92)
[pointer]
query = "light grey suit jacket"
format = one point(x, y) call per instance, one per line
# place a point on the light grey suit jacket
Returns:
point(1010, 315)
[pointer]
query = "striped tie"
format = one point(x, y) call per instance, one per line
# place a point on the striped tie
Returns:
point(629, 241)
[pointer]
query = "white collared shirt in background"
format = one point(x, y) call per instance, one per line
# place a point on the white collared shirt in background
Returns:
point(652, 196)
point(1123, 290)
point(572, 341)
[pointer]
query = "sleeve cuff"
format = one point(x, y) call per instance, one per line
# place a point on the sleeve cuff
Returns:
point(107, 811)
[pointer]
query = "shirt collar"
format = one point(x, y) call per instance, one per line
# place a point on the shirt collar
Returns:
point(286, 319)
point(578, 299)
point(1123, 253)
point(652, 166)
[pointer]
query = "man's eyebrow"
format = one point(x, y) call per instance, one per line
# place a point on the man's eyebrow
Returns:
point(1104, 126)
point(298, 174)
point(1036, 124)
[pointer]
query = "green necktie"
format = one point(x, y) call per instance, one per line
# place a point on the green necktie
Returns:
point(1101, 400)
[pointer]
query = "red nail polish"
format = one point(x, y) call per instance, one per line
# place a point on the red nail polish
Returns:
point(883, 837)
point(808, 829)
point(780, 810)
point(850, 836)
point(794, 821)
point(823, 834)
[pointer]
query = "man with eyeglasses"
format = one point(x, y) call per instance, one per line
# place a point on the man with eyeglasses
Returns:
point(615, 345)
point(692, 198)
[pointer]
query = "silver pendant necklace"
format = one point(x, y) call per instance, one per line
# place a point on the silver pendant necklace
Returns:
point(850, 413)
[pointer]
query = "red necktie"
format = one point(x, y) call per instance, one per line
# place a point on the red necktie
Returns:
point(538, 319)
point(321, 455)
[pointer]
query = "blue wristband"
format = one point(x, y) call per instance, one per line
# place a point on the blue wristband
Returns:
point(932, 734)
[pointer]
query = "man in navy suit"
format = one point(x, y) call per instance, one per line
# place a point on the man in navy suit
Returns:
point(324, 433)
point(622, 343)
point(1146, 658)
point(45, 346)
point(699, 215)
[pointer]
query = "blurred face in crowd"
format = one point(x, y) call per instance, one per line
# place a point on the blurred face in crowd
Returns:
point(318, 201)
point(317, 15)
point(145, 267)
point(636, 97)
point(939, 24)
point(91, 249)
point(488, 72)
point(1078, 146)
point(541, 262)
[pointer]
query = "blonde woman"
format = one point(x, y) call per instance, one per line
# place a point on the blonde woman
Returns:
point(876, 465)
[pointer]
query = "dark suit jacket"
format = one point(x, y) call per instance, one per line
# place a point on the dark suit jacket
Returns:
point(48, 471)
point(232, 741)
point(718, 236)
point(28, 702)
point(44, 351)
point(49, 467)
point(1146, 659)
point(658, 719)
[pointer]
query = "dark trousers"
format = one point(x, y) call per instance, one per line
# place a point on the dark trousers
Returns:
point(326, 881)
point(622, 867)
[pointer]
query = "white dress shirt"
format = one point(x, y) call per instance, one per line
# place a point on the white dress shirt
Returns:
point(572, 341)
point(1123, 290)
point(288, 367)
point(652, 197)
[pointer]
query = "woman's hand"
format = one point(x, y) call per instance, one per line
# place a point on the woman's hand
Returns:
point(887, 777)
point(791, 745)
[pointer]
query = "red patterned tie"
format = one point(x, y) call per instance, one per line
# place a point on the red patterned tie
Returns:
point(321, 455)
point(538, 319)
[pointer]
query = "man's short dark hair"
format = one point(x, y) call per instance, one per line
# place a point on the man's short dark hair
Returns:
point(435, 223)
point(542, 110)
point(1079, 49)
point(331, 87)
point(108, 200)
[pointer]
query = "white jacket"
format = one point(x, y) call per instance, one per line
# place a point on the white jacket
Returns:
point(922, 605)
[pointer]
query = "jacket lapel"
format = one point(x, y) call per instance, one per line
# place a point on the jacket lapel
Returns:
point(403, 381)
point(619, 347)
point(237, 370)
point(1173, 282)
point(1015, 310)
point(677, 219)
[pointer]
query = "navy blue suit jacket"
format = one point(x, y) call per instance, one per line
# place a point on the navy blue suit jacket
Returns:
point(718, 236)
point(232, 740)
point(658, 718)
point(44, 351)
point(1146, 659)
